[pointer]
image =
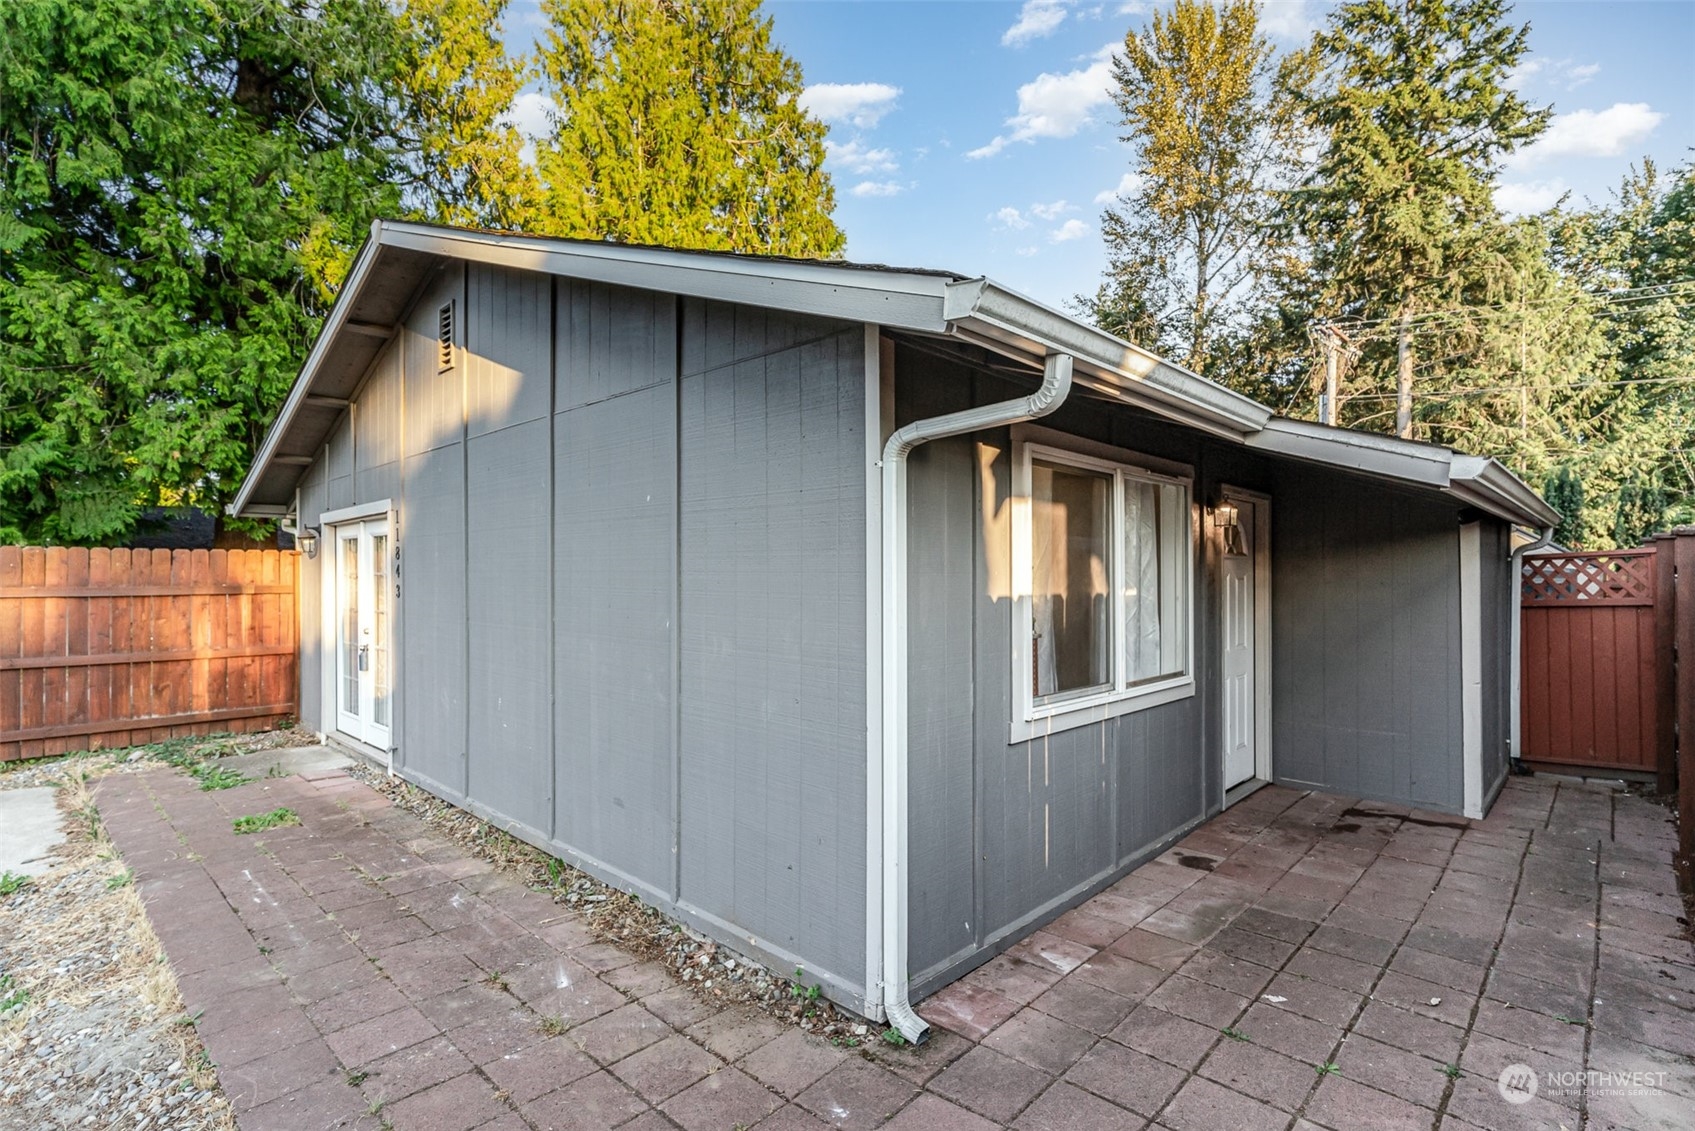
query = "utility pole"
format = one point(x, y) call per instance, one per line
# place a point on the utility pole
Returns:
point(1333, 342)
point(1404, 377)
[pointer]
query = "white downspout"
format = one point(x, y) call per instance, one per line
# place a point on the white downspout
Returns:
point(1056, 384)
point(1515, 753)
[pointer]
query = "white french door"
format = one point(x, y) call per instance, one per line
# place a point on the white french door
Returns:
point(364, 615)
point(1240, 653)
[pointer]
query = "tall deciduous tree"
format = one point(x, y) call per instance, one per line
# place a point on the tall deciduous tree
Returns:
point(679, 124)
point(183, 184)
point(1210, 144)
point(1415, 117)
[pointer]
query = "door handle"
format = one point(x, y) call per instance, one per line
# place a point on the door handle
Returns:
point(364, 657)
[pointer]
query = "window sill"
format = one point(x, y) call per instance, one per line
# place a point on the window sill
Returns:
point(1068, 716)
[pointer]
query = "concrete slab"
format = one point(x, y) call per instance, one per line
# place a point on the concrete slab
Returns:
point(288, 760)
point(30, 829)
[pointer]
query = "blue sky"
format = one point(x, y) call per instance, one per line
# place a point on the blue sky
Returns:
point(977, 136)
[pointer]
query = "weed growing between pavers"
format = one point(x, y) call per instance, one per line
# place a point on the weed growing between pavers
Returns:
point(213, 776)
point(259, 822)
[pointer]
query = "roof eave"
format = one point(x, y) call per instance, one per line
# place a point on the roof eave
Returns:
point(1485, 483)
point(243, 506)
point(983, 309)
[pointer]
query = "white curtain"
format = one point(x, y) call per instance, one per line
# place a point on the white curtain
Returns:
point(1046, 544)
point(1143, 651)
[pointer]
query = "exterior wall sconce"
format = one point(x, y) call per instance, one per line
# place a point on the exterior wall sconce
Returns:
point(307, 540)
point(1227, 518)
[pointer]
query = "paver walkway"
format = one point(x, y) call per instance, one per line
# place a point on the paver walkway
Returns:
point(349, 963)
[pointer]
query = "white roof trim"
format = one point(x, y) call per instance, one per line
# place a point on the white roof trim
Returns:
point(297, 394)
point(977, 310)
point(1475, 480)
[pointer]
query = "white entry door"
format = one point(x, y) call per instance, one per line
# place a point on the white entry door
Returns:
point(364, 596)
point(1240, 652)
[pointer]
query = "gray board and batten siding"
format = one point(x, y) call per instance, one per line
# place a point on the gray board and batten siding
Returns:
point(1365, 661)
point(633, 620)
point(633, 546)
point(1366, 676)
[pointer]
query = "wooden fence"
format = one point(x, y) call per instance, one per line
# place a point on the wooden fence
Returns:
point(1608, 668)
point(1593, 661)
point(103, 648)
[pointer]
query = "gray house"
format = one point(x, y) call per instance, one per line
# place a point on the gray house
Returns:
point(862, 618)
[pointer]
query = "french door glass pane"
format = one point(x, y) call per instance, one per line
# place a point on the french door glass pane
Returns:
point(1071, 525)
point(379, 629)
point(350, 625)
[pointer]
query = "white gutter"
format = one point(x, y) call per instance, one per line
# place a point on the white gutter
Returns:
point(1515, 752)
point(1056, 384)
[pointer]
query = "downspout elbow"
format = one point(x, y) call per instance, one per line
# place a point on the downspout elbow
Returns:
point(1055, 387)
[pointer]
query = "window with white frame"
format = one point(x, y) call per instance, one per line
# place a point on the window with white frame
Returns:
point(1102, 561)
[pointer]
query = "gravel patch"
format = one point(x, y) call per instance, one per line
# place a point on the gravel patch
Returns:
point(92, 1029)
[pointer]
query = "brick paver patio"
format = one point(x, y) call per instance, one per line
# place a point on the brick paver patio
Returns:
point(1302, 961)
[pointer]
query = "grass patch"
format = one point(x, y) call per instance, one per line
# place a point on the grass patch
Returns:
point(213, 776)
point(552, 1026)
point(122, 880)
point(1328, 1068)
point(259, 822)
point(11, 881)
point(1234, 1034)
point(12, 995)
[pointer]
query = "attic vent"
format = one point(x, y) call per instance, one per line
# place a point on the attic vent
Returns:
point(444, 338)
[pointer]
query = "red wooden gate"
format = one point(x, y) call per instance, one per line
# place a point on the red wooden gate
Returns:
point(1595, 668)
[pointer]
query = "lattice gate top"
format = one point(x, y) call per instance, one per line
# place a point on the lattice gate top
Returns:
point(1602, 577)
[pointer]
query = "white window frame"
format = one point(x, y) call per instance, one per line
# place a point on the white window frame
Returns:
point(1033, 717)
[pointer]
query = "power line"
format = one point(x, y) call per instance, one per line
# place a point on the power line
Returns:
point(1625, 299)
point(1551, 388)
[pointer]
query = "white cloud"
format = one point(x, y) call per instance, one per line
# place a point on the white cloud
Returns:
point(861, 104)
point(1010, 217)
point(530, 114)
point(1567, 74)
point(1070, 230)
point(1612, 132)
point(1027, 252)
point(1127, 185)
point(1524, 197)
point(857, 158)
point(1288, 19)
point(878, 188)
point(1038, 18)
point(1052, 211)
point(1056, 105)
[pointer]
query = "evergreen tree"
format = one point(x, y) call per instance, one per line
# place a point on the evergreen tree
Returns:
point(1209, 143)
point(1641, 512)
point(1564, 492)
point(184, 182)
point(679, 124)
point(1414, 116)
point(456, 86)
